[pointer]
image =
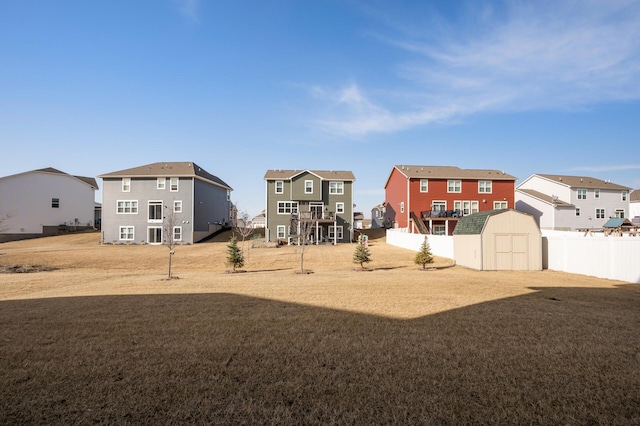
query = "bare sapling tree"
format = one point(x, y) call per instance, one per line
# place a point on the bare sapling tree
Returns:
point(242, 228)
point(169, 231)
point(304, 229)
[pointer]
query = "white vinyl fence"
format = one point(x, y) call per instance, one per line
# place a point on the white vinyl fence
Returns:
point(612, 257)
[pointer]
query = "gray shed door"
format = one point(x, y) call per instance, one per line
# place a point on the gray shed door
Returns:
point(511, 252)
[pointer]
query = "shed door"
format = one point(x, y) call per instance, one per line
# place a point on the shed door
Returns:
point(511, 252)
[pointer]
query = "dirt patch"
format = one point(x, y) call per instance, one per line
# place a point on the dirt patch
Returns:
point(24, 269)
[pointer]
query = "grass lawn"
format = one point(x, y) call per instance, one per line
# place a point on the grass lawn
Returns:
point(104, 337)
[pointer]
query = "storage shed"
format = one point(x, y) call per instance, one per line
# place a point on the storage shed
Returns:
point(493, 240)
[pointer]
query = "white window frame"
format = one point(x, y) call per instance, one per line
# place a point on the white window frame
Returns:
point(454, 186)
point(424, 185)
point(339, 207)
point(287, 207)
point(333, 235)
point(500, 205)
point(308, 187)
point(600, 213)
point(129, 232)
point(475, 207)
point(171, 184)
point(401, 206)
point(127, 207)
point(577, 211)
point(596, 193)
point(177, 206)
point(620, 213)
point(439, 230)
point(437, 204)
point(582, 194)
point(485, 187)
point(281, 232)
point(161, 183)
point(336, 187)
point(155, 203)
point(279, 187)
point(126, 184)
point(178, 233)
point(149, 228)
point(625, 195)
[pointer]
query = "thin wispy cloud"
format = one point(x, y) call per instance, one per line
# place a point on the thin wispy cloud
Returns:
point(536, 55)
point(190, 9)
point(611, 168)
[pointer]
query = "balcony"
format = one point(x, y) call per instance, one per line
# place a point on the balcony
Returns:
point(441, 214)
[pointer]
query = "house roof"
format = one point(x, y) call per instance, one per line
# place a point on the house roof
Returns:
point(88, 180)
point(617, 222)
point(544, 197)
point(449, 172)
point(278, 174)
point(474, 223)
point(584, 182)
point(634, 196)
point(168, 169)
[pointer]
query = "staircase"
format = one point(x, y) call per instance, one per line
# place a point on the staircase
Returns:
point(419, 224)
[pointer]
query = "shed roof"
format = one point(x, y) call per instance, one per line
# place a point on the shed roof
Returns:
point(617, 222)
point(474, 224)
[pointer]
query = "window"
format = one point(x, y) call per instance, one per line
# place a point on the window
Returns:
point(439, 230)
point(582, 194)
point(424, 185)
point(161, 183)
point(287, 207)
point(228, 195)
point(457, 205)
point(281, 234)
point(126, 233)
point(484, 186)
point(620, 213)
point(55, 203)
point(279, 187)
point(308, 187)
point(173, 184)
point(339, 207)
point(154, 235)
point(177, 206)
point(438, 206)
point(474, 207)
point(577, 211)
point(177, 233)
point(127, 207)
point(470, 207)
point(335, 232)
point(624, 195)
point(126, 184)
point(596, 193)
point(402, 207)
point(454, 186)
point(599, 213)
point(499, 205)
point(155, 211)
point(336, 187)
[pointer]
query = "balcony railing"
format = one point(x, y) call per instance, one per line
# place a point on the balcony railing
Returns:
point(430, 214)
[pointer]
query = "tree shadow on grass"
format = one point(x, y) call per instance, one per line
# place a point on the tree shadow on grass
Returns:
point(555, 356)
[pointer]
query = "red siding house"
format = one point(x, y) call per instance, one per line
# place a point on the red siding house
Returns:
point(431, 199)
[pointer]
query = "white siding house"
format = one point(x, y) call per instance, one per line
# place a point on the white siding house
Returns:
point(43, 202)
point(568, 203)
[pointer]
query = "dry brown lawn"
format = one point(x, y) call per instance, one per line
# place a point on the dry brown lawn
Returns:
point(105, 338)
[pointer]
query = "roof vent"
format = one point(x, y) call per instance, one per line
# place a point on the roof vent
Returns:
point(554, 198)
point(559, 177)
point(580, 179)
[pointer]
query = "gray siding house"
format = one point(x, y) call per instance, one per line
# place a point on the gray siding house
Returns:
point(45, 202)
point(569, 203)
point(138, 202)
point(324, 197)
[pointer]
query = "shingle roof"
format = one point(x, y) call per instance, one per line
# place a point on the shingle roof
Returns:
point(88, 180)
point(584, 182)
point(473, 224)
point(544, 197)
point(323, 174)
point(617, 222)
point(168, 169)
point(452, 172)
point(635, 195)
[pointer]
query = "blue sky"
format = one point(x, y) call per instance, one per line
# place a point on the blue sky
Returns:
point(239, 87)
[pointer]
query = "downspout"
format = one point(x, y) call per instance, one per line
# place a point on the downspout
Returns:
point(193, 208)
point(266, 210)
point(408, 206)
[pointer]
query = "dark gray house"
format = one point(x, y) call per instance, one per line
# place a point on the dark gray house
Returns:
point(138, 203)
point(323, 198)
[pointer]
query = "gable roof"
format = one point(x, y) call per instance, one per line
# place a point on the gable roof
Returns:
point(278, 174)
point(449, 172)
point(545, 198)
point(617, 222)
point(169, 169)
point(474, 223)
point(87, 180)
point(585, 182)
point(634, 196)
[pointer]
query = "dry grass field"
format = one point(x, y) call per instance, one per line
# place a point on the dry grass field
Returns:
point(105, 338)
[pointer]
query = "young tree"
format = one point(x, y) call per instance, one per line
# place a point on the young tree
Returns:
point(361, 255)
point(424, 256)
point(304, 226)
point(242, 228)
point(235, 258)
point(170, 222)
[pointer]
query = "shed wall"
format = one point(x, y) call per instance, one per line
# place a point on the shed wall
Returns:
point(511, 241)
point(467, 251)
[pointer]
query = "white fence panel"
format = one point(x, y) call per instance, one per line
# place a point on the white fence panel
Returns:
point(441, 245)
point(616, 258)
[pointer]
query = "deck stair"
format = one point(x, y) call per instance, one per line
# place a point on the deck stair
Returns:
point(422, 227)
